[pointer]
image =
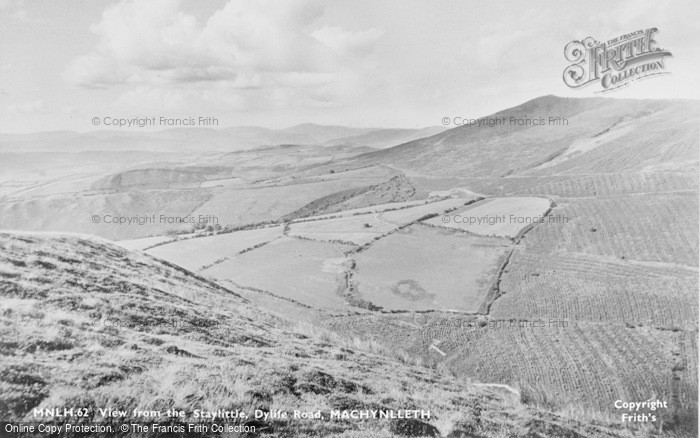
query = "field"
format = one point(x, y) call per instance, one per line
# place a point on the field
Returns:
point(501, 217)
point(313, 273)
point(362, 229)
point(196, 253)
point(409, 215)
point(581, 287)
point(589, 365)
point(573, 367)
point(614, 289)
point(366, 210)
point(223, 182)
point(257, 204)
point(609, 292)
point(418, 268)
point(353, 229)
point(569, 186)
point(654, 227)
point(144, 242)
point(591, 310)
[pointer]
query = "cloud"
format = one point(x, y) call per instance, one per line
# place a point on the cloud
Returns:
point(247, 43)
point(151, 99)
point(25, 107)
point(11, 4)
point(97, 71)
point(345, 42)
point(15, 9)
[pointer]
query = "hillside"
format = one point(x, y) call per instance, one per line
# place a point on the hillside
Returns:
point(87, 323)
point(602, 135)
point(385, 138)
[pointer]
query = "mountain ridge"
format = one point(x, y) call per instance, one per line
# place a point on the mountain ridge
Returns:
point(508, 148)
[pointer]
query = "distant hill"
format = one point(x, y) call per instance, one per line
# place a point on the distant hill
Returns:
point(385, 138)
point(600, 135)
point(318, 134)
point(206, 139)
point(177, 139)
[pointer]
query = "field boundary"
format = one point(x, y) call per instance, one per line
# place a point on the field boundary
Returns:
point(495, 290)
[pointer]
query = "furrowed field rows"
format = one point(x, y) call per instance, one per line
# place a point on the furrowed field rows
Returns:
point(586, 365)
point(611, 184)
point(660, 228)
point(573, 186)
point(591, 264)
point(684, 369)
point(556, 363)
point(577, 288)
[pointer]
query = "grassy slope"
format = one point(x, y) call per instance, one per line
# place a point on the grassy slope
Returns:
point(84, 322)
point(650, 135)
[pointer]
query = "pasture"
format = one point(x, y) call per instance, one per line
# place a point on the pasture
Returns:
point(199, 252)
point(501, 217)
point(650, 227)
point(366, 210)
point(144, 242)
point(420, 268)
point(313, 273)
point(362, 229)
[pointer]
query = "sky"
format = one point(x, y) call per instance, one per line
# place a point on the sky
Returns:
point(361, 63)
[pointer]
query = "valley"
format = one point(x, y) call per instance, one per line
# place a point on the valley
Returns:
point(558, 261)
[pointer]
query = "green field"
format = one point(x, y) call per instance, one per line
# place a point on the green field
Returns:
point(420, 268)
point(503, 217)
point(196, 253)
point(312, 273)
point(361, 229)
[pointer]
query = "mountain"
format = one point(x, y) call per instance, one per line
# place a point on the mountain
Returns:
point(183, 139)
point(555, 135)
point(87, 323)
point(318, 134)
point(187, 139)
point(171, 140)
point(384, 138)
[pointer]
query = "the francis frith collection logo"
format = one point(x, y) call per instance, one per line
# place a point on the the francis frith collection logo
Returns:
point(614, 63)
